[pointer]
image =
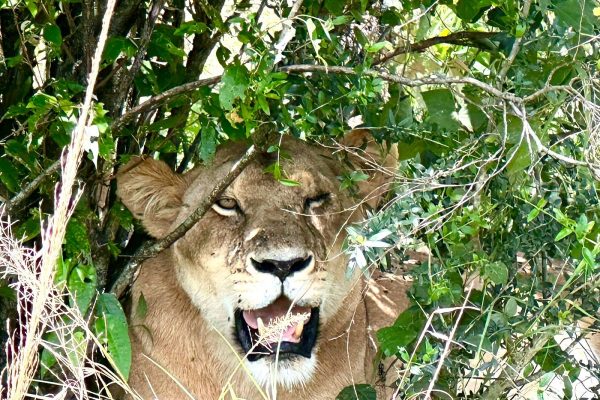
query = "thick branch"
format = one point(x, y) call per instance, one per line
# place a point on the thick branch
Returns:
point(463, 38)
point(151, 249)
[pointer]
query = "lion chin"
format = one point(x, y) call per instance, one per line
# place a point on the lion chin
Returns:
point(288, 372)
point(255, 301)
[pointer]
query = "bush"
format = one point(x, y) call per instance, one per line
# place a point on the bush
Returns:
point(493, 106)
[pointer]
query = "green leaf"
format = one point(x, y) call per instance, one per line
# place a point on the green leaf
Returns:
point(208, 144)
point(497, 272)
point(6, 292)
point(76, 238)
point(82, 286)
point(520, 158)
point(391, 16)
point(264, 105)
point(357, 392)
point(342, 20)
point(31, 227)
point(289, 182)
point(115, 46)
point(335, 7)
point(235, 81)
point(538, 208)
point(581, 226)
point(588, 257)
point(511, 307)
point(564, 232)
point(190, 27)
point(19, 151)
point(405, 330)
point(471, 10)
point(111, 328)
point(141, 309)
point(9, 175)
point(376, 47)
point(47, 358)
point(52, 34)
point(441, 108)
point(577, 15)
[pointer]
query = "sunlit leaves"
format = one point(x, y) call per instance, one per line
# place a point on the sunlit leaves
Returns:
point(235, 81)
point(441, 108)
point(402, 333)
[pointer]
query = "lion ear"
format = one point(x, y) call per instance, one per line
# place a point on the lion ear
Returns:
point(152, 192)
point(376, 160)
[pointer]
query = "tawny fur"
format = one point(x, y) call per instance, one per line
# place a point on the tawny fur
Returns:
point(184, 345)
point(192, 288)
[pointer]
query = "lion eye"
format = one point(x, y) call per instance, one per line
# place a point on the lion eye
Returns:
point(314, 202)
point(226, 206)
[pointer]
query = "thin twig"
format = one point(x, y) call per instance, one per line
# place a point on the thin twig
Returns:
point(159, 99)
point(152, 248)
point(530, 133)
point(516, 45)
point(287, 33)
point(463, 38)
point(165, 96)
point(449, 341)
point(31, 187)
point(433, 80)
point(128, 77)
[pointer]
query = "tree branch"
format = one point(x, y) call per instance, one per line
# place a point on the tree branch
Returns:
point(516, 45)
point(434, 80)
point(463, 38)
point(125, 82)
point(152, 248)
point(30, 187)
point(159, 99)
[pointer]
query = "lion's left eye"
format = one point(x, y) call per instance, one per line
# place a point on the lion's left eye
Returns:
point(314, 202)
point(226, 206)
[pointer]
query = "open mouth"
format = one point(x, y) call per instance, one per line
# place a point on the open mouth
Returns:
point(277, 328)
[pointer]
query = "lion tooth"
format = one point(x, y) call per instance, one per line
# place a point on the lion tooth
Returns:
point(261, 326)
point(299, 329)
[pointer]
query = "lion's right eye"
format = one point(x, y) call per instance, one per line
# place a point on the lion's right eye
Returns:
point(226, 206)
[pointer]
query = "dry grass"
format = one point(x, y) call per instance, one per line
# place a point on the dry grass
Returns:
point(72, 344)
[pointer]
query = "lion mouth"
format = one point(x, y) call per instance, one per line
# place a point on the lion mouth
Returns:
point(277, 328)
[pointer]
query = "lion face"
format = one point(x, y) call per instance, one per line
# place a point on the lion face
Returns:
point(264, 265)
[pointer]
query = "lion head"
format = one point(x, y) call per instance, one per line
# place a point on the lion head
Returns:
point(265, 252)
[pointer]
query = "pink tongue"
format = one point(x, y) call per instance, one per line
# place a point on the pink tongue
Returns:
point(278, 309)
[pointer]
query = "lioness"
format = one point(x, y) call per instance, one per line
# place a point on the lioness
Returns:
point(265, 252)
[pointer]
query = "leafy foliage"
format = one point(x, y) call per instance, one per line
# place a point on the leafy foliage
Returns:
point(493, 106)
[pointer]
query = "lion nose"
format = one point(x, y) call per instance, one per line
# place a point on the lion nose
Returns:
point(282, 268)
